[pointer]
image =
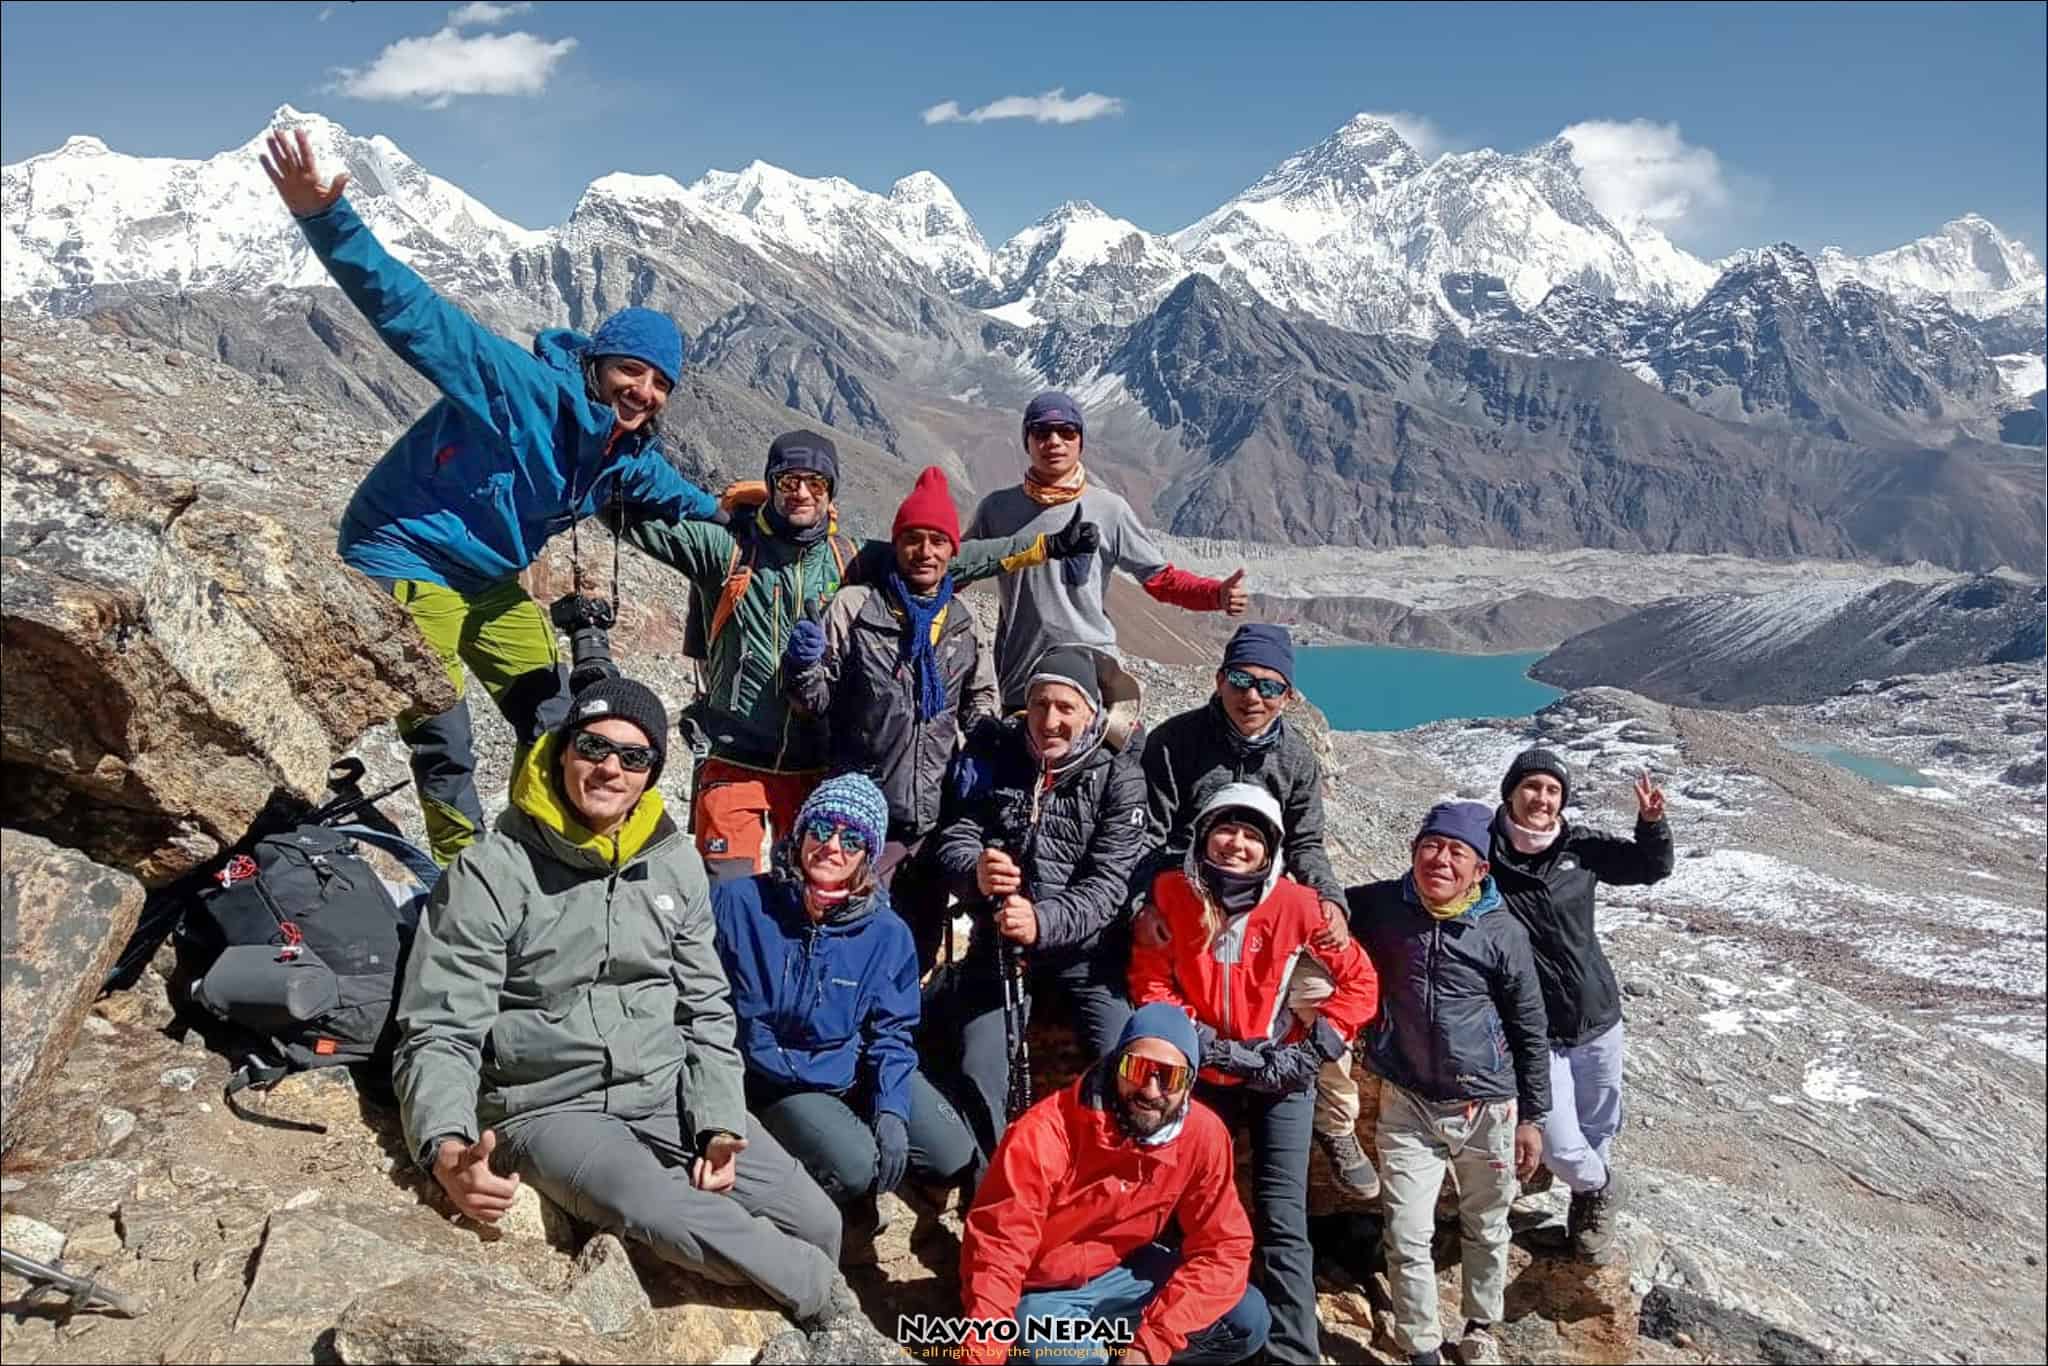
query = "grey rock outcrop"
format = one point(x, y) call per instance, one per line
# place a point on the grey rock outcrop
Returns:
point(65, 920)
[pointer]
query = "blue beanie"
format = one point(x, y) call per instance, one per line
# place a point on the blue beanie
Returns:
point(1268, 647)
point(853, 800)
point(1160, 1020)
point(803, 450)
point(1470, 823)
point(1052, 406)
point(642, 334)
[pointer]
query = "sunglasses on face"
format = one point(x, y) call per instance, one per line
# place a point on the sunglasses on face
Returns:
point(1272, 689)
point(1066, 431)
point(595, 748)
point(791, 483)
point(822, 829)
point(1137, 1071)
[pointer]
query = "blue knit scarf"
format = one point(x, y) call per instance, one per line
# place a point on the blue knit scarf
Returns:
point(916, 648)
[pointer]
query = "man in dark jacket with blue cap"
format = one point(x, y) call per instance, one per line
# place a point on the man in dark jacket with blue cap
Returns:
point(522, 445)
point(1463, 1047)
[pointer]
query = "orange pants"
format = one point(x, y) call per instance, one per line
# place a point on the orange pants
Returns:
point(738, 813)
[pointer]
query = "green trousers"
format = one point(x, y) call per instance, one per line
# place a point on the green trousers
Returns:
point(509, 644)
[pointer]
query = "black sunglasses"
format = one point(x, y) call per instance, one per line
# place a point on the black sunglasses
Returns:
point(594, 747)
point(1065, 430)
point(1268, 688)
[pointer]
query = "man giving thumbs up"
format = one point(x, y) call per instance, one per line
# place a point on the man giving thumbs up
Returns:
point(1061, 604)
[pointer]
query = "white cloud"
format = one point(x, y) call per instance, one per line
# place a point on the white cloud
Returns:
point(1643, 172)
point(1051, 107)
point(1419, 131)
point(325, 14)
point(482, 13)
point(436, 67)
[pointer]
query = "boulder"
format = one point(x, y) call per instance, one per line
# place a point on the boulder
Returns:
point(178, 653)
point(311, 1266)
point(63, 920)
point(607, 1290)
point(1671, 1314)
point(456, 1315)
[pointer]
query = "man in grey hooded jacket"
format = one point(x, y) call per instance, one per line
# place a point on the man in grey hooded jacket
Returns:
point(564, 1019)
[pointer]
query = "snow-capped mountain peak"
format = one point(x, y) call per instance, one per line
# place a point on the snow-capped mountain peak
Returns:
point(1968, 261)
point(1081, 264)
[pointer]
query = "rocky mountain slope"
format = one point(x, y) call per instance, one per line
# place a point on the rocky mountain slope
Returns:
point(1802, 644)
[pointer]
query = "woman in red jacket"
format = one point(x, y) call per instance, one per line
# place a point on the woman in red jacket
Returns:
point(1235, 929)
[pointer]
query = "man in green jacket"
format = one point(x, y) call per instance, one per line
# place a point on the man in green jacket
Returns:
point(564, 1018)
point(750, 585)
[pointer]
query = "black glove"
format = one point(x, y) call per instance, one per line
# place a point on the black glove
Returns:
point(892, 1151)
point(718, 516)
point(1231, 1058)
point(1285, 1068)
point(1075, 539)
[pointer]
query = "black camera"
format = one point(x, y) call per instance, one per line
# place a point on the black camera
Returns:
point(586, 620)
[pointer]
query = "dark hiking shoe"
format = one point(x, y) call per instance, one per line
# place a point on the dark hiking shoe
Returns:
point(1433, 1357)
point(1353, 1169)
point(842, 1309)
point(1590, 1223)
point(1479, 1347)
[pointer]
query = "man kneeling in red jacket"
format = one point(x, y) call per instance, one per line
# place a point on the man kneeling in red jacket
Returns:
point(1068, 1223)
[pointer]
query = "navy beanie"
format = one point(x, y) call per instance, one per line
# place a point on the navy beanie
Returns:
point(626, 700)
point(1537, 761)
point(805, 451)
point(1470, 823)
point(1263, 645)
point(1160, 1020)
point(642, 334)
point(1052, 407)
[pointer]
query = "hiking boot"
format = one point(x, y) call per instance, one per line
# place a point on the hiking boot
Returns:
point(1590, 1223)
point(1433, 1357)
point(842, 1310)
point(1479, 1345)
point(1353, 1169)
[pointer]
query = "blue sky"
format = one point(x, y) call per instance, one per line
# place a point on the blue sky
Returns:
point(1853, 125)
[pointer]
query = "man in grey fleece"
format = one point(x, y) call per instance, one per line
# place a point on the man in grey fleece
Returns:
point(1061, 603)
point(564, 1018)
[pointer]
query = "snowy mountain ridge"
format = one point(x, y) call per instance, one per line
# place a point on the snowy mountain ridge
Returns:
point(1357, 230)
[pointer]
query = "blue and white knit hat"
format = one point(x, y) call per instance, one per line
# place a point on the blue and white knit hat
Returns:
point(853, 800)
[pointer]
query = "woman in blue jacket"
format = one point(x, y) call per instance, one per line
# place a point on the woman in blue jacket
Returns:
point(521, 445)
point(825, 986)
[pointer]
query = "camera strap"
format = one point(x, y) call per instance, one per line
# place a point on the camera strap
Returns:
point(618, 510)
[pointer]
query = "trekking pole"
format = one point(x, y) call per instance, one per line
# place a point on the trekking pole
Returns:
point(83, 1292)
point(1015, 1021)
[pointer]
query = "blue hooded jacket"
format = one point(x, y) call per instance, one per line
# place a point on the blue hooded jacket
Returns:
point(514, 452)
point(826, 1007)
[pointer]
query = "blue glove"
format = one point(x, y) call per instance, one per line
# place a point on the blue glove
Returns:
point(892, 1152)
point(806, 645)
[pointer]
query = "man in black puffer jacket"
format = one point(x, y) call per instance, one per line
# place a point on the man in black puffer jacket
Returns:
point(1459, 1039)
point(1044, 822)
point(1547, 870)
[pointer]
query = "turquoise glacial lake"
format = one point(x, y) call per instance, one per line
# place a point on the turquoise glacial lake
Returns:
point(1383, 687)
point(1866, 765)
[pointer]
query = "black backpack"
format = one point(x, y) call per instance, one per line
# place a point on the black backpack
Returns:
point(299, 949)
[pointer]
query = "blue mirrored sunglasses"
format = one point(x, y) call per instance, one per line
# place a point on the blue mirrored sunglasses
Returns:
point(1268, 688)
point(823, 828)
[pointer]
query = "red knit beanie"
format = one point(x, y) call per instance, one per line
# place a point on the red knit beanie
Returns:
point(930, 504)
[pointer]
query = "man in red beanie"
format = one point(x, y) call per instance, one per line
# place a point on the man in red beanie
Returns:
point(899, 674)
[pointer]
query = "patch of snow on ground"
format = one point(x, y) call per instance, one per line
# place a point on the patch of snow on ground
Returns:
point(1727, 1021)
point(2005, 1033)
point(2024, 374)
point(1017, 314)
point(1834, 1084)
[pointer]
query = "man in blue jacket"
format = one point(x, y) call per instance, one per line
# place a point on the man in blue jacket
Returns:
point(1461, 1042)
point(520, 446)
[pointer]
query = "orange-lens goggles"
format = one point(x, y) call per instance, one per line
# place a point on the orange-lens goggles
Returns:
point(1170, 1076)
point(790, 483)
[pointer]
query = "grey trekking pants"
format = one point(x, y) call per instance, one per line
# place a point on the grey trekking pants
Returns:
point(774, 1228)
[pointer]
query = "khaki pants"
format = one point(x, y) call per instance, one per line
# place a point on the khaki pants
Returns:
point(1418, 1138)
point(1337, 1102)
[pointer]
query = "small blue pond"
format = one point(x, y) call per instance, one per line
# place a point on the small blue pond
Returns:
point(1863, 765)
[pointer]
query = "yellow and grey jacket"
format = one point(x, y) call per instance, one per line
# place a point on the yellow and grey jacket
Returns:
point(556, 969)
